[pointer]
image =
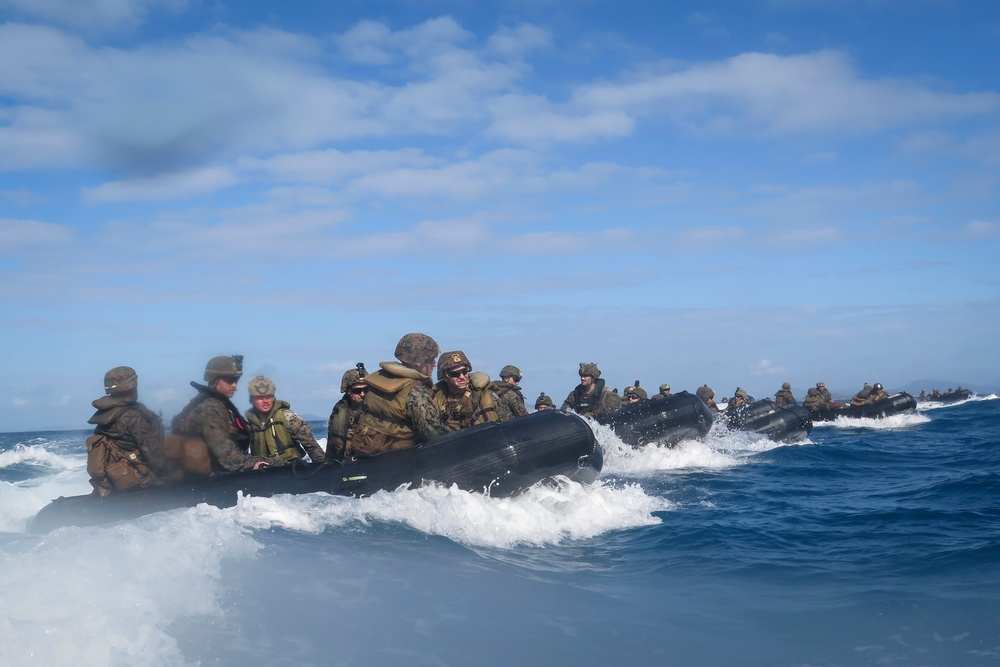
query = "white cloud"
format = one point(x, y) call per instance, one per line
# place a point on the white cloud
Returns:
point(177, 185)
point(19, 403)
point(93, 14)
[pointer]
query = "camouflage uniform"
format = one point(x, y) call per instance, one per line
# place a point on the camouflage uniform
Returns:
point(213, 418)
point(598, 401)
point(343, 420)
point(544, 402)
point(282, 433)
point(783, 397)
point(134, 428)
point(815, 401)
point(863, 396)
point(510, 400)
point(707, 395)
point(739, 399)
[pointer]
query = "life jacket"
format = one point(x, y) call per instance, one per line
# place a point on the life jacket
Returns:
point(271, 438)
point(340, 430)
point(585, 403)
point(473, 406)
point(384, 423)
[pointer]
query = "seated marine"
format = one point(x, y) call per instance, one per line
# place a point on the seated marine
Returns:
point(134, 456)
point(707, 396)
point(543, 402)
point(635, 394)
point(863, 396)
point(783, 397)
point(276, 431)
point(460, 401)
point(346, 413)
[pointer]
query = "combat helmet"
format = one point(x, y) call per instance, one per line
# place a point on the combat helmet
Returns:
point(222, 366)
point(590, 369)
point(120, 380)
point(352, 377)
point(878, 387)
point(417, 349)
point(705, 392)
point(636, 390)
point(511, 371)
point(664, 387)
point(786, 385)
point(260, 386)
point(543, 399)
point(450, 360)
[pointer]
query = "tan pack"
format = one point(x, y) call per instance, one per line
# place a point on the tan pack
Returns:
point(112, 468)
point(190, 456)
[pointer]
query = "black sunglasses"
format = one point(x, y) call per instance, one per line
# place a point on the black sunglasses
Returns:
point(459, 372)
point(359, 390)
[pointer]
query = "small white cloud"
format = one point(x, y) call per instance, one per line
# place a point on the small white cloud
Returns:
point(20, 403)
point(765, 367)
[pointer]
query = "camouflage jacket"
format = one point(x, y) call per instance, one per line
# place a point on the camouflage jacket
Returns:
point(784, 398)
point(510, 401)
point(133, 427)
point(343, 421)
point(213, 418)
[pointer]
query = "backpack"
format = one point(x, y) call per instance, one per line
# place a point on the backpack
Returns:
point(112, 468)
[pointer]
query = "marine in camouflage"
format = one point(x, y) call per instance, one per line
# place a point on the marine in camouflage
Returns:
point(134, 428)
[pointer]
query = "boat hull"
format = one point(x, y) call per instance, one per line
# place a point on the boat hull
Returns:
point(500, 459)
point(660, 421)
point(897, 404)
point(791, 423)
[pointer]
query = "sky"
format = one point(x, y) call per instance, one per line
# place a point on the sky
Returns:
point(738, 193)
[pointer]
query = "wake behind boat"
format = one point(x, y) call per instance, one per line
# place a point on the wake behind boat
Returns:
point(501, 459)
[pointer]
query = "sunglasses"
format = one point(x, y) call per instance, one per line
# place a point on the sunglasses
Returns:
point(230, 379)
point(458, 372)
point(357, 391)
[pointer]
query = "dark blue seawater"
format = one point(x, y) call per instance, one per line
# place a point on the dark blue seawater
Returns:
point(874, 543)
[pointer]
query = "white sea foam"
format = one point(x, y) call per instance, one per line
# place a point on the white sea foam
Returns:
point(890, 423)
point(545, 514)
point(36, 455)
point(108, 595)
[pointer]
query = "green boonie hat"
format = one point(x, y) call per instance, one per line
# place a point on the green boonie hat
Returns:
point(260, 386)
point(222, 366)
point(417, 349)
point(543, 400)
point(590, 369)
point(510, 371)
point(119, 380)
point(450, 360)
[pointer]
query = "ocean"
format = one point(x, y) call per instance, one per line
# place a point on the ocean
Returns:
point(875, 542)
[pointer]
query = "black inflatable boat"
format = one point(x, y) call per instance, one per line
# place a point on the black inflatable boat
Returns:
point(949, 396)
point(660, 421)
point(897, 404)
point(500, 459)
point(782, 424)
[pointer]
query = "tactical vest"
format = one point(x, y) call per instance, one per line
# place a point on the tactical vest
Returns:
point(474, 406)
point(584, 403)
point(270, 435)
point(384, 423)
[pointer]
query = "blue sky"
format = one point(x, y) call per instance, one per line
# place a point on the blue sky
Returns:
point(732, 193)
